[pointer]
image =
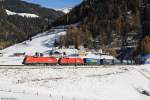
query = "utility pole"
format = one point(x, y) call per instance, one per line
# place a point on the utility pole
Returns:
point(145, 17)
point(125, 29)
point(124, 32)
point(143, 21)
point(142, 15)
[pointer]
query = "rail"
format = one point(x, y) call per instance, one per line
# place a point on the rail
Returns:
point(58, 67)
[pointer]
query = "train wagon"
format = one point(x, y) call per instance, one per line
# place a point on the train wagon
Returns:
point(91, 61)
point(32, 60)
point(71, 61)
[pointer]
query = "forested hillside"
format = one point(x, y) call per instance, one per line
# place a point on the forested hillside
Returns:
point(110, 23)
point(15, 28)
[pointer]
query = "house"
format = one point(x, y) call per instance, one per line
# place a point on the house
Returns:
point(147, 59)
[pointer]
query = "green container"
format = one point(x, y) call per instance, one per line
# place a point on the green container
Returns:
point(92, 61)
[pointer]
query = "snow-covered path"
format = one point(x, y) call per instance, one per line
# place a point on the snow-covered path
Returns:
point(103, 83)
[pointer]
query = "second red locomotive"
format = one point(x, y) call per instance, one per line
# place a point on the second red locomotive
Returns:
point(71, 61)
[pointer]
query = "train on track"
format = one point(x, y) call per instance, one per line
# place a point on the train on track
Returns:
point(34, 60)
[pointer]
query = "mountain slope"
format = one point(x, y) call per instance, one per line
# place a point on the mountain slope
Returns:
point(20, 20)
point(111, 22)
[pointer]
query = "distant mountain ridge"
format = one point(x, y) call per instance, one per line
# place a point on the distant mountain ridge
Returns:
point(19, 20)
point(19, 6)
point(65, 10)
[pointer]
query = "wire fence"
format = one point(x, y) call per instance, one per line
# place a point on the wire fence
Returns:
point(50, 95)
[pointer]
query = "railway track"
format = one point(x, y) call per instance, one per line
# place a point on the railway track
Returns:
point(59, 67)
point(42, 67)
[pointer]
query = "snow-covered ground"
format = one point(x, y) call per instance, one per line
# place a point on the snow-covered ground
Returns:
point(69, 83)
point(21, 14)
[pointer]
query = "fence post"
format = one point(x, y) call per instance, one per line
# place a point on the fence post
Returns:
point(23, 91)
point(62, 97)
point(9, 90)
point(73, 98)
point(50, 95)
point(37, 93)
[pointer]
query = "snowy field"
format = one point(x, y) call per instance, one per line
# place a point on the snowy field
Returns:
point(71, 83)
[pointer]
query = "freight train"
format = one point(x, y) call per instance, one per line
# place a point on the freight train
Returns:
point(34, 60)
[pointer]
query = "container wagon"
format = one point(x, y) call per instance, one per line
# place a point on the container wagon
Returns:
point(91, 61)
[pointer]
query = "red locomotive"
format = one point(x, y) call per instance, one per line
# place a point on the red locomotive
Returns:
point(33, 60)
point(71, 61)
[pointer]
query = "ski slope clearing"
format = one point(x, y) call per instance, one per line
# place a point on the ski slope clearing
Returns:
point(39, 43)
point(103, 83)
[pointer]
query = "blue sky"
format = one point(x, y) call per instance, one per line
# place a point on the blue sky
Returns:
point(56, 3)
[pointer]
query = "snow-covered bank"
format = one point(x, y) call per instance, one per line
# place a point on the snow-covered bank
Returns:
point(105, 83)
